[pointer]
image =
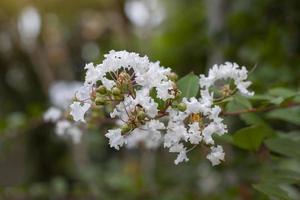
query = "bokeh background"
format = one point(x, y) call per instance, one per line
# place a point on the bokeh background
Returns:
point(42, 42)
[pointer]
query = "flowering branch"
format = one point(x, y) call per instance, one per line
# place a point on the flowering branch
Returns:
point(150, 108)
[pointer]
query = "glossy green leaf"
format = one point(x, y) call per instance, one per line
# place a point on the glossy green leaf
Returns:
point(160, 102)
point(272, 191)
point(252, 118)
point(251, 138)
point(291, 115)
point(279, 176)
point(284, 146)
point(243, 101)
point(283, 92)
point(189, 85)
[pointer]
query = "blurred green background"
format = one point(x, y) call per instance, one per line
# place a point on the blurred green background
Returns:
point(42, 42)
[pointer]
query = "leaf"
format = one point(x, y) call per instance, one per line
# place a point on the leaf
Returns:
point(238, 103)
point(160, 102)
point(291, 115)
point(251, 138)
point(282, 176)
point(243, 101)
point(252, 119)
point(260, 97)
point(272, 191)
point(284, 146)
point(280, 95)
point(277, 100)
point(282, 92)
point(189, 85)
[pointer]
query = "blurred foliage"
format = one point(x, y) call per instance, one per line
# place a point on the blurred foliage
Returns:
point(262, 159)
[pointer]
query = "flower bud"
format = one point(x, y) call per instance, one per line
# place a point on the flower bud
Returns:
point(100, 100)
point(172, 76)
point(125, 128)
point(141, 115)
point(178, 94)
point(226, 90)
point(181, 106)
point(116, 91)
point(101, 89)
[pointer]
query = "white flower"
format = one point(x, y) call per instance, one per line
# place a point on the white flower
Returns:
point(75, 133)
point(109, 84)
point(84, 93)
point(78, 110)
point(143, 99)
point(65, 128)
point(52, 114)
point(62, 126)
point(92, 74)
point(149, 134)
point(136, 137)
point(163, 90)
point(154, 133)
point(193, 105)
point(181, 157)
point(179, 148)
point(227, 71)
point(61, 93)
point(194, 133)
point(152, 77)
point(216, 155)
point(175, 134)
point(207, 133)
point(116, 140)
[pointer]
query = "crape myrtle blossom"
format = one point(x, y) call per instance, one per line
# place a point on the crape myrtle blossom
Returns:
point(65, 128)
point(53, 114)
point(216, 155)
point(148, 107)
point(227, 71)
point(61, 94)
point(197, 123)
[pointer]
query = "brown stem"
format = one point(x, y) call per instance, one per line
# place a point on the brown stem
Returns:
point(255, 110)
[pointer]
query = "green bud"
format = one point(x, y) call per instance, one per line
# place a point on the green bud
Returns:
point(125, 128)
point(181, 106)
point(178, 94)
point(141, 115)
point(174, 104)
point(101, 89)
point(172, 76)
point(116, 91)
point(100, 100)
point(118, 98)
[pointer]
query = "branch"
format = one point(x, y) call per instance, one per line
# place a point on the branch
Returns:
point(255, 110)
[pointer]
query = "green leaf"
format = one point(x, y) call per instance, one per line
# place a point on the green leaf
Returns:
point(283, 92)
point(260, 97)
point(189, 85)
point(291, 115)
point(277, 100)
point(243, 101)
point(237, 103)
point(272, 191)
point(280, 176)
point(160, 102)
point(284, 146)
point(280, 95)
point(251, 138)
point(252, 119)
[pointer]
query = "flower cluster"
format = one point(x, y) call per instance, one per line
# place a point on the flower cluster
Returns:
point(149, 108)
point(61, 95)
